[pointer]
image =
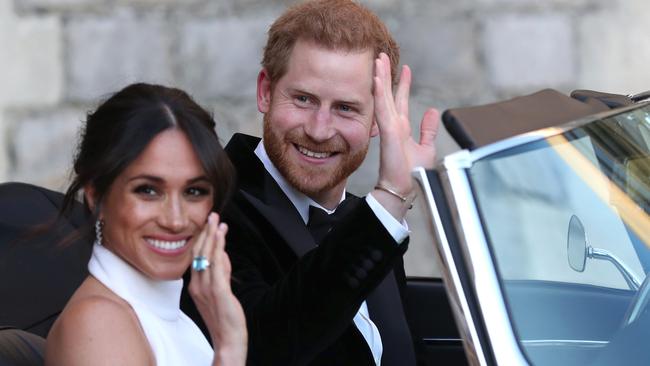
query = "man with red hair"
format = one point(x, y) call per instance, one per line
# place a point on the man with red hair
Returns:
point(316, 269)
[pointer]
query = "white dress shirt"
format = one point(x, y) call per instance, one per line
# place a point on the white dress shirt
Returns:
point(397, 230)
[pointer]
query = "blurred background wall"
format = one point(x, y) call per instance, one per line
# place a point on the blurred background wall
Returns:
point(59, 58)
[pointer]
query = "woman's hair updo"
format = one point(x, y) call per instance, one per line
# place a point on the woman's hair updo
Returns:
point(120, 129)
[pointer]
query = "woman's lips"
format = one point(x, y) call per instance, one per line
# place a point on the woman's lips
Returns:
point(168, 247)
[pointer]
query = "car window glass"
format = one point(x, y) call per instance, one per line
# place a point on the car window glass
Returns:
point(527, 200)
point(420, 260)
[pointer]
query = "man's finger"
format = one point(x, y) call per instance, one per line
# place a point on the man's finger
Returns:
point(403, 91)
point(429, 127)
point(386, 73)
point(380, 102)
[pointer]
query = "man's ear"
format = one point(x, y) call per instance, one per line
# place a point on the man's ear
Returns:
point(89, 196)
point(374, 129)
point(263, 91)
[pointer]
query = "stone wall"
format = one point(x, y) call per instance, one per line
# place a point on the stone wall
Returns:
point(60, 57)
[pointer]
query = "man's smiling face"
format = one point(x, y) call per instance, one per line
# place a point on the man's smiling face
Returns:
point(319, 117)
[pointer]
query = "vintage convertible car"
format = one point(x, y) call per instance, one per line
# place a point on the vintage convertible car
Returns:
point(540, 225)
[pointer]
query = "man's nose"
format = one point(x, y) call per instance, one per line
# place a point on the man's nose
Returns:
point(174, 215)
point(320, 125)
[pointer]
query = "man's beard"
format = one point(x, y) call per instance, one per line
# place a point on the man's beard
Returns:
point(311, 180)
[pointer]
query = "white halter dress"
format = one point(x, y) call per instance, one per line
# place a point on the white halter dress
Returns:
point(172, 335)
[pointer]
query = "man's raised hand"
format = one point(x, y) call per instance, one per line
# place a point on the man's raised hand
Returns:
point(399, 152)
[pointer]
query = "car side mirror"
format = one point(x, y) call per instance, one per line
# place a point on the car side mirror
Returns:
point(578, 251)
point(576, 244)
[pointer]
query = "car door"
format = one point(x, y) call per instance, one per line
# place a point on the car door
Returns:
point(503, 216)
point(425, 297)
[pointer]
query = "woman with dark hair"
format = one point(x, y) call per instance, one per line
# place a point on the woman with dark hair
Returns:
point(152, 171)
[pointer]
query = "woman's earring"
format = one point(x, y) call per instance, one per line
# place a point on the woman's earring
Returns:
point(99, 225)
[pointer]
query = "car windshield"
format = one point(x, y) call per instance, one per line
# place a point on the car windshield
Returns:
point(566, 218)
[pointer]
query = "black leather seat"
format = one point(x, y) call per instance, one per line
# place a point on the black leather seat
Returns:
point(20, 348)
point(38, 274)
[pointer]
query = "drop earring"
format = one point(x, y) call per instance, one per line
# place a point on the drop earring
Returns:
point(99, 225)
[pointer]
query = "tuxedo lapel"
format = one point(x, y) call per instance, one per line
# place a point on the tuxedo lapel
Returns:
point(264, 194)
point(386, 311)
point(290, 228)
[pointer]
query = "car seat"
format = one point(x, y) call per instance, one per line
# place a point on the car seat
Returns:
point(38, 273)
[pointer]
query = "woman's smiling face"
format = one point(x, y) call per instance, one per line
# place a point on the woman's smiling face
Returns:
point(156, 206)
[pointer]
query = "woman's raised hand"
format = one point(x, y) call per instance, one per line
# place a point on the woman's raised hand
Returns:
point(210, 289)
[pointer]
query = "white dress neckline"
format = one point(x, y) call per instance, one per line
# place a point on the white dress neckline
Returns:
point(172, 335)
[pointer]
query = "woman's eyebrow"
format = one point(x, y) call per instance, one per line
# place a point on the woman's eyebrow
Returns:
point(157, 179)
point(198, 179)
point(147, 177)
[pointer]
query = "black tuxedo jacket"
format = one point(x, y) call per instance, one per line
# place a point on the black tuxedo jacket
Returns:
point(300, 298)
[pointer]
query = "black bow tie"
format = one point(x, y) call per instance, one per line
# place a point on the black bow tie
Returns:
point(320, 222)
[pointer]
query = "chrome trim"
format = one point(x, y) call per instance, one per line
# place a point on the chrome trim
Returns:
point(449, 270)
point(464, 158)
point(630, 278)
point(476, 253)
point(639, 302)
point(442, 340)
point(639, 97)
point(564, 343)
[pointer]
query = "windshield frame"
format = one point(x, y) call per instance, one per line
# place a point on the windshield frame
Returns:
point(476, 252)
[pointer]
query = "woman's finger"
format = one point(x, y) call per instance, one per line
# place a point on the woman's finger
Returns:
point(201, 279)
point(221, 243)
point(199, 242)
point(227, 268)
point(213, 227)
point(209, 250)
point(219, 276)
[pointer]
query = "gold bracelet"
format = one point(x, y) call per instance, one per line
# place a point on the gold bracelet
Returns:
point(396, 194)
